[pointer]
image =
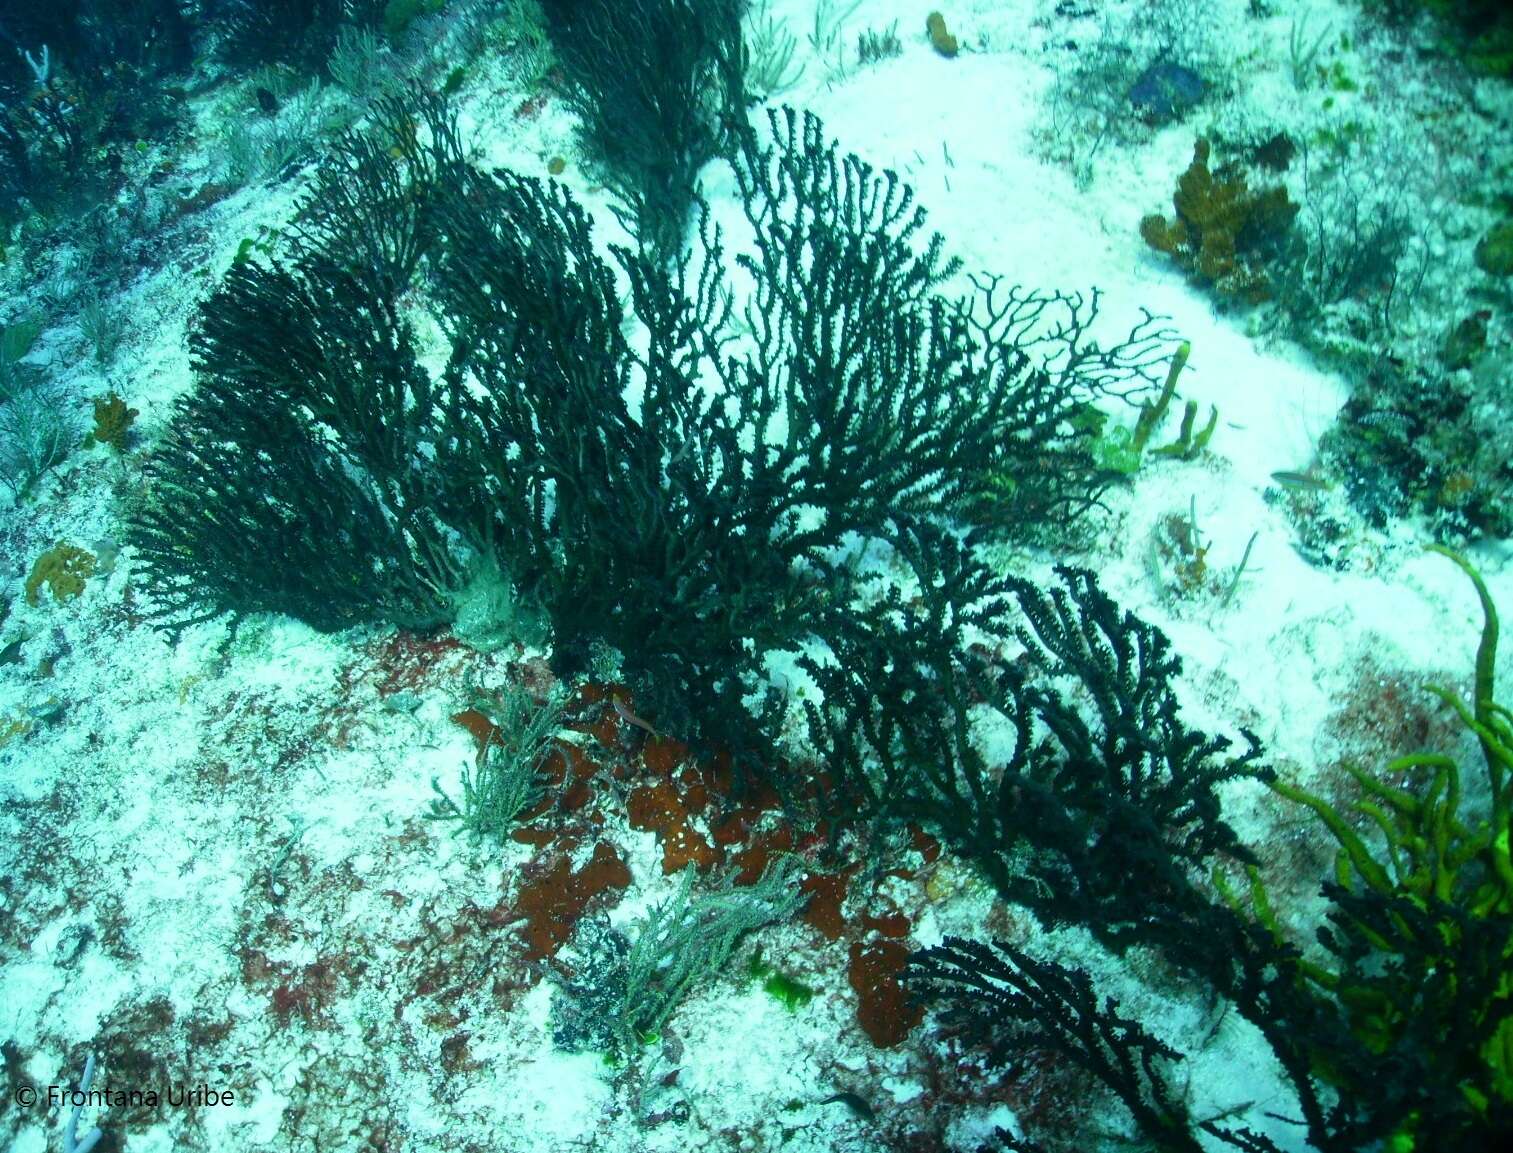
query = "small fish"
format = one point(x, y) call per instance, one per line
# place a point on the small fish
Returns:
point(47, 712)
point(1302, 481)
point(266, 100)
point(853, 1102)
point(402, 702)
point(630, 718)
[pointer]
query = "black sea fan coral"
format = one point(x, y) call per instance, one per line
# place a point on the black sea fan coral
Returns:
point(1097, 805)
point(651, 82)
point(306, 472)
point(1015, 1004)
point(689, 497)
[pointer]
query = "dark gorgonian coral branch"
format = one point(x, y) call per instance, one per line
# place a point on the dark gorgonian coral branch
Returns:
point(1397, 1032)
point(1005, 999)
point(651, 82)
point(688, 496)
point(1085, 788)
point(307, 472)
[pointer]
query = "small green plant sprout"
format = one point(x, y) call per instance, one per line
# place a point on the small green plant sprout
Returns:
point(1420, 936)
point(688, 937)
point(873, 45)
point(103, 327)
point(784, 987)
point(519, 32)
point(507, 782)
point(264, 244)
point(1122, 449)
point(770, 67)
point(1432, 852)
point(826, 37)
point(16, 340)
point(1178, 562)
point(1187, 445)
point(1303, 51)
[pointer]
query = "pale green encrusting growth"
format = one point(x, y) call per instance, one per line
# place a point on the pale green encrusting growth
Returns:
point(688, 937)
point(508, 778)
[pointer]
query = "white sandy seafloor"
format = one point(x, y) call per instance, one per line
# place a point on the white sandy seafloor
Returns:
point(199, 813)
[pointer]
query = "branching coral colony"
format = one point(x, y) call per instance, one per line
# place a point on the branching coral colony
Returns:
point(1399, 1032)
point(696, 499)
point(650, 81)
point(685, 499)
